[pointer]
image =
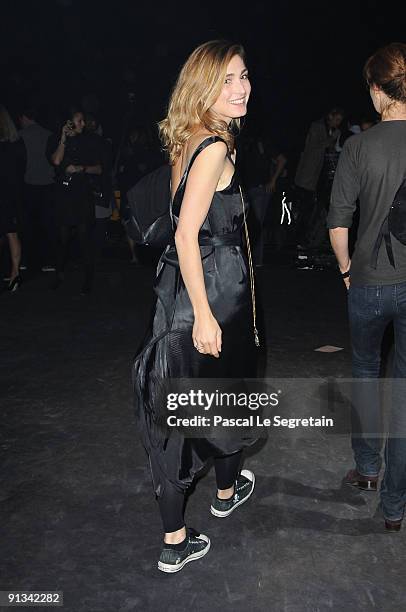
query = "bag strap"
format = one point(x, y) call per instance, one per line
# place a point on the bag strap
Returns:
point(384, 233)
point(251, 271)
point(205, 143)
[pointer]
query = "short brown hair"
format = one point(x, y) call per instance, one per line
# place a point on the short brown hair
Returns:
point(387, 70)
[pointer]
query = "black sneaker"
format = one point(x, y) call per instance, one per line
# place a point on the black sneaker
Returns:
point(197, 545)
point(243, 489)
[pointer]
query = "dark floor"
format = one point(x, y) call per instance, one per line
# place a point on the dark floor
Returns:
point(77, 510)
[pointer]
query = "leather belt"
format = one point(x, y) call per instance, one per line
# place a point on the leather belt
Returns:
point(219, 240)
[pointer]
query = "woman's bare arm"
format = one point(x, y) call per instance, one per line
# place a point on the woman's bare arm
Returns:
point(96, 169)
point(58, 155)
point(201, 185)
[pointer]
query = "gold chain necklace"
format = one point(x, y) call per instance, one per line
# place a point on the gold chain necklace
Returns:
point(251, 270)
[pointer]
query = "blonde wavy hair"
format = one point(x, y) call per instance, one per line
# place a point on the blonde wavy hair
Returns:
point(8, 131)
point(197, 88)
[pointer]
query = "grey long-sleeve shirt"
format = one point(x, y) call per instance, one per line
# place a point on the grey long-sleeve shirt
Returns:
point(371, 168)
point(38, 171)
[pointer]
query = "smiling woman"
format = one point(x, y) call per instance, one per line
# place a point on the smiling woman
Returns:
point(235, 84)
point(205, 309)
point(211, 92)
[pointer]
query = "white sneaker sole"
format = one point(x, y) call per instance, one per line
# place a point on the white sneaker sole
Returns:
point(222, 514)
point(171, 569)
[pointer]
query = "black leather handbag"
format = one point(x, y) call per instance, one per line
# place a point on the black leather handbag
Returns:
point(394, 224)
point(147, 218)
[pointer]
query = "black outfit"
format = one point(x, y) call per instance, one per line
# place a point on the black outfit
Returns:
point(315, 218)
point(317, 234)
point(168, 351)
point(377, 152)
point(75, 203)
point(12, 166)
point(39, 231)
point(103, 209)
point(319, 139)
point(256, 162)
point(38, 223)
point(331, 157)
point(325, 183)
point(172, 501)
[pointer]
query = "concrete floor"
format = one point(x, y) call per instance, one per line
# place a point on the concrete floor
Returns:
point(77, 509)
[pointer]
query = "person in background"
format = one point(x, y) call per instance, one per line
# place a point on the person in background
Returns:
point(261, 166)
point(12, 166)
point(79, 158)
point(317, 234)
point(366, 123)
point(103, 208)
point(371, 168)
point(93, 125)
point(90, 104)
point(322, 135)
point(331, 157)
point(277, 170)
point(39, 230)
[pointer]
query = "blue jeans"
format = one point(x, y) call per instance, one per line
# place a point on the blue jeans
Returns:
point(370, 309)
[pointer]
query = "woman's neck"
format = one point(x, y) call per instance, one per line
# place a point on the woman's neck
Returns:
point(395, 112)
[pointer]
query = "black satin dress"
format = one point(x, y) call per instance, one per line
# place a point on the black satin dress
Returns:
point(169, 350)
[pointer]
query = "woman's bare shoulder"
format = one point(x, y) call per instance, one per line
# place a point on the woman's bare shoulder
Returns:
point(196, 140)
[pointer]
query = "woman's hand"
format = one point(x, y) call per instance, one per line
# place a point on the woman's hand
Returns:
point(67, 131)
point(207, 335)
point(270, 187)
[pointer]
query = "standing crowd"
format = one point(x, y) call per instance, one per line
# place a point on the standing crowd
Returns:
point(57, 186)
point(56, 190)
point(51, 184)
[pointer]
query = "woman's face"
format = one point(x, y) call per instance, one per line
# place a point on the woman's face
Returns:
point(232, 102)
point(78, 122)
point(334, 120)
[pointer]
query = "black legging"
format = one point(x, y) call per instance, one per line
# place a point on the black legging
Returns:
point(84, 234)
point(172, 501)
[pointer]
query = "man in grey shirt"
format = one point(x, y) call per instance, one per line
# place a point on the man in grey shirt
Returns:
point(38, 214)
point(371, 168)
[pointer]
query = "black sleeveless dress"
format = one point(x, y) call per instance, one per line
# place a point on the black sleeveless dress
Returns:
point(169, 351)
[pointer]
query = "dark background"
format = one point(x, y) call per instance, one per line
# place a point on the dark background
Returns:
point(303, 57)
